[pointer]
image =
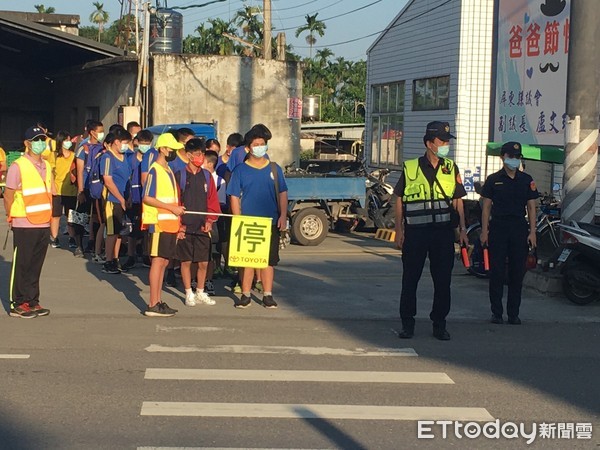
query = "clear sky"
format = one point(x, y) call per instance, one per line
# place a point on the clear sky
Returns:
point(346, 20)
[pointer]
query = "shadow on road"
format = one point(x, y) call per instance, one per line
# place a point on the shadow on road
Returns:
point(329, 430)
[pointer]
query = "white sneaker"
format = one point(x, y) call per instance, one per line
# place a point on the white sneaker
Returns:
point(99, 259)
point(202, 297)
point(190, 299)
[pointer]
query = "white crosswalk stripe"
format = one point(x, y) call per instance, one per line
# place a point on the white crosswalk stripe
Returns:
point(11, 356)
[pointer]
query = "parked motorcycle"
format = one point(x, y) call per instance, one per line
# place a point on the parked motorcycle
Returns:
point(380, 200)
point(580, 262)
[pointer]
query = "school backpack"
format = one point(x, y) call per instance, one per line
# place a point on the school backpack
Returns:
point(92, 168)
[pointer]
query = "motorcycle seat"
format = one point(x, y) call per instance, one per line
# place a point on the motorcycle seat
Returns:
point(594, 230)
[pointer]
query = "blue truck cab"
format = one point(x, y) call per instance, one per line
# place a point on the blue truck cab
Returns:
point(205, 130)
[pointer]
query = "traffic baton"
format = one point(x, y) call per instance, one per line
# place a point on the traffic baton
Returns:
point(465, 256)
point(6, 239)
point(486, 258)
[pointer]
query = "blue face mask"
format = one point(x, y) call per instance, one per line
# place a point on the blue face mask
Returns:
point(143, 148)
point(443, 151)
point(259, 151)
point(512, 163)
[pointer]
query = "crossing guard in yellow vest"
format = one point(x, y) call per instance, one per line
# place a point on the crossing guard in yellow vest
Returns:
point(428, 209)
point(28, 205)
point(161, 217)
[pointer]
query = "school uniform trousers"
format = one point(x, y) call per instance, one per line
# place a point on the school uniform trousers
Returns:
point(30, 247)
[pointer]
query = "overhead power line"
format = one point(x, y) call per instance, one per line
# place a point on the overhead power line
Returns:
point(335, 17)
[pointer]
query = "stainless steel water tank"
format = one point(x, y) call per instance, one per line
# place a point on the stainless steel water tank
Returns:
point(311, 107)
point(166, 31)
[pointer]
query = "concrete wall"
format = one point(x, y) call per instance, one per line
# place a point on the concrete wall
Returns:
point(78, 94)
point(237, 92)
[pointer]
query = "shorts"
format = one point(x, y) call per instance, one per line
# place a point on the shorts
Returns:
point(113, 215)
point(135, 215)
point(274, 248)
point(194, 248)
point(61, 204)
point(163, 245)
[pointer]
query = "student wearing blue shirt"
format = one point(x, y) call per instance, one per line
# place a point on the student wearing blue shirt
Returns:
point(116, 172)
point(141, 144)
point(252, 192)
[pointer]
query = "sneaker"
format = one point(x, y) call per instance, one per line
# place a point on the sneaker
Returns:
point(72, 243)
point(170, 279)
point(209, 287)
point(39, 310)
point(190, 299)
point(242, 302)
point(258, 286)
point(268, 302)
point(166, 308)
point(157, 311)
point(237, 289)
point(99, 259)
point(129, 264)
point(146, 261)
point(78, 253)
point(111, 267)
point(55, 243)
point(23, 311)
point(202, 297)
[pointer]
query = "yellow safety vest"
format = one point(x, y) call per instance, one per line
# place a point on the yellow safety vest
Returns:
point(424, 203)
point(34, 199)
point(166, 192)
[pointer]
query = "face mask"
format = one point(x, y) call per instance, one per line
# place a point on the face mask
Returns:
point(171, 156)
point(143, 148)
point(67, 145)
point(512, 163)
point(443, 151)
point(100, 137)
point(124, 148)
point(259, 151)
point(38, 147)
point(197, 160)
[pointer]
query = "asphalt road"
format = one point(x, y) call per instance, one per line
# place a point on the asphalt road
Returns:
point(325, 370)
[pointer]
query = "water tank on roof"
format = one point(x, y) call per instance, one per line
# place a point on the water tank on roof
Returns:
point(166, 31)
point(311, 107)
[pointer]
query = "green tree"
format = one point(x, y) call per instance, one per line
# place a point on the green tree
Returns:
point(247, 20)
point(313, 26)
point(99, 17)
point(43, 10)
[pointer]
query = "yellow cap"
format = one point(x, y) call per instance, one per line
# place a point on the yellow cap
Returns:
point(168, 140)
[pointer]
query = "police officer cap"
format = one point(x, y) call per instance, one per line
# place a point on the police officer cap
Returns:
point(512, 149)
point(33, 132)
point(439, 130)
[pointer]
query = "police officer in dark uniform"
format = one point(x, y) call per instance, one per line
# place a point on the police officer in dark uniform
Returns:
point(507, 194)
point(428, 209)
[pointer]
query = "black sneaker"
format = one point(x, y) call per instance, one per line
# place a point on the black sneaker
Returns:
point(407, 333)
point(268, 301)
point(55, 243)
point(23, 311)
point(129, 264)
point(441, 334)
point(157, 311)
point(514, 320)
point(72, 243)
point(167, 309)
point(243, 302)
point(170, 278)
point(209, 287)
point(78, 253)
point(146, 261)
point(496, 319)
point(39, 310)
point(111, 267)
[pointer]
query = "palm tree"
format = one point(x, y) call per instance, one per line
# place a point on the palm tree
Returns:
point(323, 56)
point(246, 19)
point(313, 26)
point(99, 17)
point(43, 10)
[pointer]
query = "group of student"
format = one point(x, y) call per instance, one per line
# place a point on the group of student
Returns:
point(164, 194)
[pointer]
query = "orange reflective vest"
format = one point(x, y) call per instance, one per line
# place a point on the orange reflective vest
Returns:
point(34, 199)
point(166, 192)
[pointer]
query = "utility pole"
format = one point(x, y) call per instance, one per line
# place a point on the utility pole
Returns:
point(581, 137)
point(267, 29)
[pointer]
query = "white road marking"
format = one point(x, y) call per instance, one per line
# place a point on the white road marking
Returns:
point(164, 329)
point(264, 349)
point(300, 411)
point(222, 448)
point(9, 356)
point(319, 376)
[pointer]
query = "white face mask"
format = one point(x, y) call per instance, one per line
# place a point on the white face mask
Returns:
point(100, 137)
point(67, 145)
point(443, 151)
point(259, 151)
point(512, 163)
point(124, 148)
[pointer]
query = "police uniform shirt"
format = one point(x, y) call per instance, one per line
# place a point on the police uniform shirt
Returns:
point(429, 172)
point(509, 196)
